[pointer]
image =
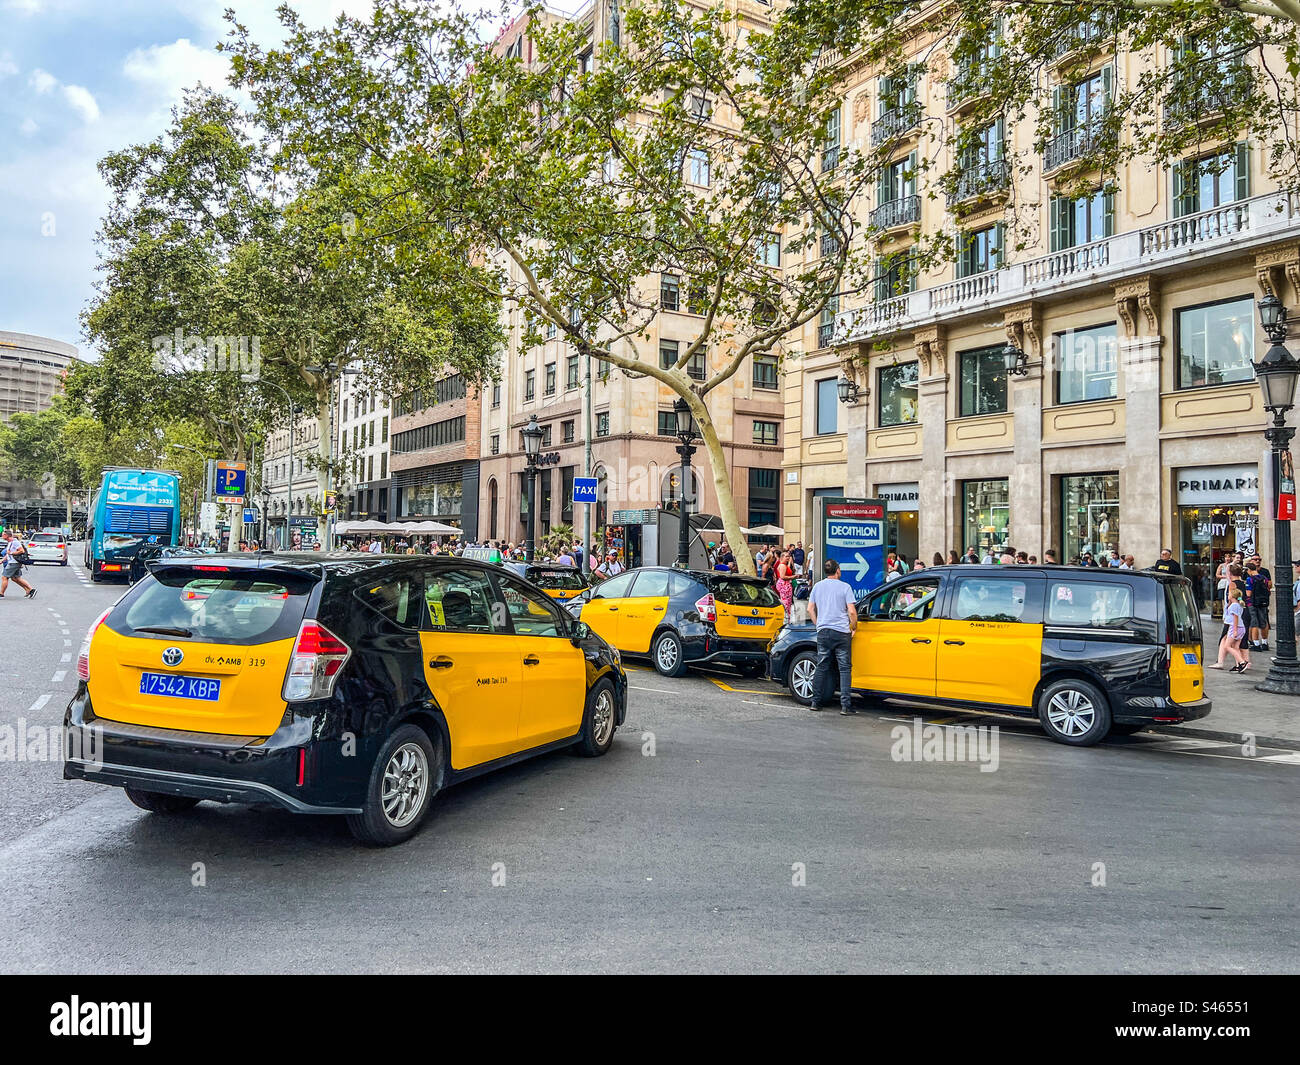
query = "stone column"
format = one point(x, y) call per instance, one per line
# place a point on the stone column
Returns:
point(1029, 497)
point(854, 420)
point(936, 511)
point(1137, 301)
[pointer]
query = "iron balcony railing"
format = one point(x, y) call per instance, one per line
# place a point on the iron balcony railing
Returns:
point(895, 122)
point(1071, 145)
point(1086, 34)
point(979, 179)
point(900, 212)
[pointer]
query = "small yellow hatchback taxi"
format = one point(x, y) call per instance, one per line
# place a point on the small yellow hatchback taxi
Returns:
point(359, 686)
point(685, 617)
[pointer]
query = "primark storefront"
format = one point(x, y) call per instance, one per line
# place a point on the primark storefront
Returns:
point(1218, 515)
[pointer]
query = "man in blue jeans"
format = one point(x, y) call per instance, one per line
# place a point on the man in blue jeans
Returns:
point(835, 613)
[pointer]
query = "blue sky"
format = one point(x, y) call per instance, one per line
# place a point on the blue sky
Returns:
point(78, 79)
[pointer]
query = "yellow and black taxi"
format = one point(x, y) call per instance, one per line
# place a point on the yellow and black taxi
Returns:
point(557, 581)
point(349, 685)
point(685, 617)
point(1089, 651)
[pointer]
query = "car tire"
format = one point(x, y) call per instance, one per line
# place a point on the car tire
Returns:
point(752, 670)
point(799, 676)
point(667, 655)
point(393, 816)
point(599, 721)
point(158, 803)
point(1074, 712)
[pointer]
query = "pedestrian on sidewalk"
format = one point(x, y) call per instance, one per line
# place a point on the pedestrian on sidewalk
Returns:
point(1257, 603)
point(785, 583)
point(1168, 564)
point(1235, 637)
point(11, 565)
point(832, 608)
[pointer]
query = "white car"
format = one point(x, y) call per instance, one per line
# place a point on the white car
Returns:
point(48, 547)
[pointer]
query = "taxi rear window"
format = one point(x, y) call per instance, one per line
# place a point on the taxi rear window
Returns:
point(46, 538)
point(744, 593)
point(217, 608)
point(557, 578)
point(1090, 604)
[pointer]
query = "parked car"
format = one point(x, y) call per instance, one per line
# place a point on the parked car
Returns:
point(559, 582)
point(359, 686)
point(685, 617)
point(48, 547)
point(1089, 651)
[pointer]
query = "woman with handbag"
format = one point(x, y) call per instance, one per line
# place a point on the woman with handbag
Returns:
point(785, 583)
point(11, 565)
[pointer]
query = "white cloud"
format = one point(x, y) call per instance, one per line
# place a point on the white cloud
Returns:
point(28, 127)
point(82, 101)
point(8, 68)
point(42, 81)
point(24, 7)
point(164, 70)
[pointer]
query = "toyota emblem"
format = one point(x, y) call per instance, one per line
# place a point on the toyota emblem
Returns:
point(172, 656)
point(754, 611)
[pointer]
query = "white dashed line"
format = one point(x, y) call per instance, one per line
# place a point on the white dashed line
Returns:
point(40, 702)
point(66, 656)
point(58, 676)
point(67, 643)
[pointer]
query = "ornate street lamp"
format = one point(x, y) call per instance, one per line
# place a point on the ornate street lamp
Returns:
point(1276, 373)
point(849, 391)
point(1015, 361)
point(532, 434)
point(686, 434)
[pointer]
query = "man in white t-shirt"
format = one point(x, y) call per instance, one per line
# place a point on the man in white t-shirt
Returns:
point(834, 611)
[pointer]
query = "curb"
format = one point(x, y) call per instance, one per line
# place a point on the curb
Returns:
point(1226, 737)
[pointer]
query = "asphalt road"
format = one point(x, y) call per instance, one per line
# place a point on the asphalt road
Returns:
point(683, 860)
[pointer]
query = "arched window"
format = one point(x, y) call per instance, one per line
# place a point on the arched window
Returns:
point(492, 509)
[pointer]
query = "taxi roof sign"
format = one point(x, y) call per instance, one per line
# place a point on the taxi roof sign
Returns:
point(483, 554)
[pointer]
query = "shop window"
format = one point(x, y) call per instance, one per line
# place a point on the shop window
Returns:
point(828, 401)
point(1086, 361)
point(986, 508)
point(983, 382)
point(896, 393)
point(1214, 343)
point(1090, 516)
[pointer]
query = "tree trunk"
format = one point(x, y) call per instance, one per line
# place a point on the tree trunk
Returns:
point(722, 485)
point(323, 426)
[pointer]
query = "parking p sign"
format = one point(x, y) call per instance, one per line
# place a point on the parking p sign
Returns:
point(852, 531)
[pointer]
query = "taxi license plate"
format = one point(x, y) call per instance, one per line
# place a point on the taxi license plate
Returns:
point(751, 621)
point(1189, 657)
point(180, 687)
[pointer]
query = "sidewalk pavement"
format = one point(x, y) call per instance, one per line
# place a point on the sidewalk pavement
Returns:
point(1238, 708)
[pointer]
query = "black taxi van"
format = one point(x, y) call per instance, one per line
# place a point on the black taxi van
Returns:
point(353, 685)
point(557, 581)
point(1090, 651)
point(684, 617)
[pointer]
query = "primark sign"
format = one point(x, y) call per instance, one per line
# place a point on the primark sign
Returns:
point(1200, 486)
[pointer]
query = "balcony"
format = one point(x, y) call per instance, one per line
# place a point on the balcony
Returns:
point(969, 85)
point(1187, 244)
point(904, 211)
point(982, 180)
point(1207, 100)
point(1071, 145)
point(895, 122)
point(1081, 37)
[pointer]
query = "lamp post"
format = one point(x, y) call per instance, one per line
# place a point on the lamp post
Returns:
point(686, 434)
point(532, 434)
point(849, 391)
point(1276, 373)
point(1015, 361)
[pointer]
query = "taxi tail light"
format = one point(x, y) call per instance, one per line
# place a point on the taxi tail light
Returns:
point(83, 656)
point(318, 658)
point(706, 607)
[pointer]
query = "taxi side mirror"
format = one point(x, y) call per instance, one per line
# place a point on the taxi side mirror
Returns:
point(580, 632)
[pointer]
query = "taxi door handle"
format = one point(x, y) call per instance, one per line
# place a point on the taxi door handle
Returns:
point(532, 660)
point(441, 662)
point(918, 639)
point(959, 643)
point(613, 609)
point(658, 608)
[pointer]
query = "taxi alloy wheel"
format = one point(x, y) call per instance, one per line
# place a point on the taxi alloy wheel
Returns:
point(668, 658)
point(406, 775)
point(598, 723)
point(1074, 712)
point(802, 671)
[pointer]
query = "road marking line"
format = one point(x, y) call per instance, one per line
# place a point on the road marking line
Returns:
point(58, 676)
point(40, 702)
point(67, 643)
point(1189, 744)
point(643, 688)
point(742, 691)
point(1290, 758)
point(779, 706)
point(65, 657)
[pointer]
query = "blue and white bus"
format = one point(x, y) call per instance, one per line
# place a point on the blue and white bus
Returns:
point(132, 509)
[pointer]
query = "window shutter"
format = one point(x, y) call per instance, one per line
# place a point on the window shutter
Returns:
point(996, 256)
point(882, 186)
point(1243, 171)
point(963, 254)
point(1058, 110)
point(911, 174)
point(1108, 215)
point(1060, 238)
point(1178, 177)
point(882, 96)
point(1108, 84)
